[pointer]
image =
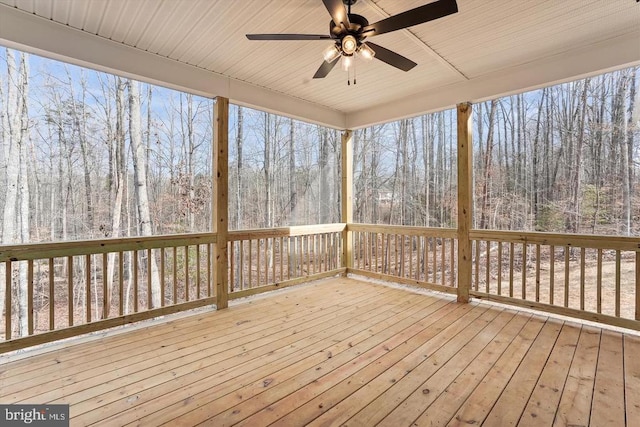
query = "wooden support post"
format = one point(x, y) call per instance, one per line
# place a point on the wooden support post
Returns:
point(465, 194)
point(347, 197)
point(220, 198)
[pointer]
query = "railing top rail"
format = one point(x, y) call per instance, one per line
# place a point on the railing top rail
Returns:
point(556, 239)
point(34, 251)
point(297, 230)
point(404, 229)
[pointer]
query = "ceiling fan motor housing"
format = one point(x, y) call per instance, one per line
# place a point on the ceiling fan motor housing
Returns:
point(357, 22)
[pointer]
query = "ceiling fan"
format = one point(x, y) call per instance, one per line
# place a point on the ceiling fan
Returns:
point(349, 32)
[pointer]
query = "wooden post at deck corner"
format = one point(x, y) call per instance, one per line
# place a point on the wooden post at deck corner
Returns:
point(220, 211)
point(347, 198)
point(465, 194)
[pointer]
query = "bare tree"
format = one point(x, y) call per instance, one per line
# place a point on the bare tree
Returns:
point(140, 177)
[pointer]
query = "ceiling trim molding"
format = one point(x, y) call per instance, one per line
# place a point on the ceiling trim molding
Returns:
point(31, 33)
point(615, 53)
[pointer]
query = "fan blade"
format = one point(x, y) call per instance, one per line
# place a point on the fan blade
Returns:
point(419, 15)
point(338, 12)
point(287, 37)
point(325, 68)
point(391, 58)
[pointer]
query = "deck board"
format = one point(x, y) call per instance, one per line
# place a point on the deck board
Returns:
point(340, 352)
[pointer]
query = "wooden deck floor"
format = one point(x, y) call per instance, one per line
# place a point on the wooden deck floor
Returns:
point(342, 352)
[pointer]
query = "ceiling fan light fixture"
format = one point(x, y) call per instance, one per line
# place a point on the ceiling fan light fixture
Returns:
point(347, 61)
point(366, 52)
point(331, 53)
point(349, 45)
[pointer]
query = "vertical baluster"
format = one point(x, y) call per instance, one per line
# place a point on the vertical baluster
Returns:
point(7, 300)
point(209, 271)
point(452, 261)
point(232, 261)
point(377, 252)
point(552, 272)
point(250, 263)
point(538, 273)
point(198, 271)
point(241, 267)
point(477, 265)
point(149, 284)
point(566, 276)
point(357, 249)
point(175, 275)
point(105, 312)
point(499, 268)
point(442, 258)
point(582, 268)
point(599, 282)
point(637, 308)
point(418, 258)
point(403, 239)
point(30, 297)
point(618, 283)
point(291, 251)
point(435, 265)
point(70, 288)
point(511, 247)
point(120, 283)
point(187, 281)
point(315, 254)
point(135, 281)
point(396, 258)
point(162, 276)
point(87, 282)
point(258, 262)
point(308, 246)
point(105, 293)
point(487, 267)
point(524, 271)
point(52, 297)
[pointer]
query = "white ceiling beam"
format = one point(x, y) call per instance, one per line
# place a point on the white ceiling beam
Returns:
point(615, 53)
point(30, 33)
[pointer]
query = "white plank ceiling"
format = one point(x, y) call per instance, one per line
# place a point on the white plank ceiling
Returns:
point(489, 48)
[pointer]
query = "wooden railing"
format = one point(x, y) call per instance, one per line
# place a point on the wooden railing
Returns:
point(266, 259)
point(589, 277)
point(419, 256)
point(57, 290)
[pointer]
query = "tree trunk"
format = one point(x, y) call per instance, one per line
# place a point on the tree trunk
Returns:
point(487, 166)
point(140, 175)
point(118, 180)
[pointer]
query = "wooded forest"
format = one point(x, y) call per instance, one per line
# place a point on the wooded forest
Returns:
point(90, 155)
point(560, 159)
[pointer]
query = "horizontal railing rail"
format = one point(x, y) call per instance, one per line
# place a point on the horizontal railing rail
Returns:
point(585, 276)
point(58, 290)
point(266, 259)
point(420, 256)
